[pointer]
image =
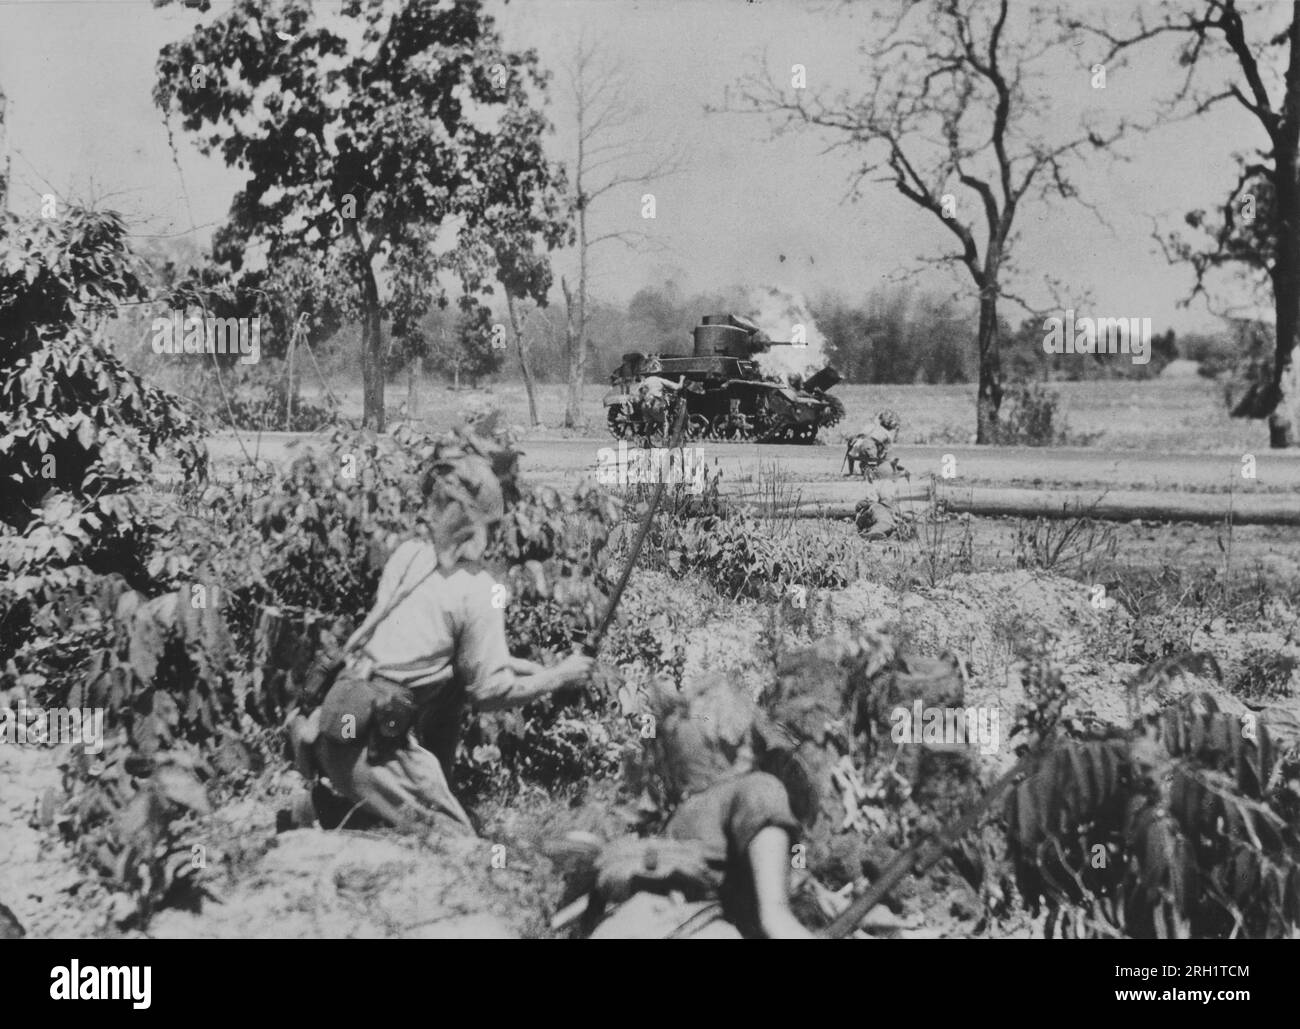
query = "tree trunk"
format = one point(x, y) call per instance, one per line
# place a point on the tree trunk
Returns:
point(372, 340)
point(288, 398)
point(575, 332)
point(989, 399)
point(1284, 422)
point(521, 348)
point(572, 346)
point(1284, 419)
point(372, 358)
point(580, 373)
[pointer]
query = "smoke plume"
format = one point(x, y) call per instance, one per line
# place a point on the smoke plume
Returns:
point(779, 314)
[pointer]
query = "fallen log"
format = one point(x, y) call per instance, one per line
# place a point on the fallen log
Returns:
point(1117, 505)
point(1128, 505)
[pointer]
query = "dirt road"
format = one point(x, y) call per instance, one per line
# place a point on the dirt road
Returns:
point(565, 460)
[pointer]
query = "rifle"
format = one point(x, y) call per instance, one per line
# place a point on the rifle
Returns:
point(592, 643)
point(923, 853)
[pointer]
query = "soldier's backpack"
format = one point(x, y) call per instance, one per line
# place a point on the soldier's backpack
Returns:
point(632, 864)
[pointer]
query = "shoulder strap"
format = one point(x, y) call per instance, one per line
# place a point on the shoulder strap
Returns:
point(363, 635)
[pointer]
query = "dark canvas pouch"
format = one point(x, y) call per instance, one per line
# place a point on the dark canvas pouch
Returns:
point(348, 708)
point(370, 709)
point(393, 714)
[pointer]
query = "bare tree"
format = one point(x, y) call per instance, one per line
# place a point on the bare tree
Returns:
point(611, 153)
point(956, 119)
point(1258, 225)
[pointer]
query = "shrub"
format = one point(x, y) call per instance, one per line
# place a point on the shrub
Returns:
point(1184, 826)
point(1029, 417)
point(259, 400)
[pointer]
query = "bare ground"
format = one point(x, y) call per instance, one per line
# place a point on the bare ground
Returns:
point(311, 883)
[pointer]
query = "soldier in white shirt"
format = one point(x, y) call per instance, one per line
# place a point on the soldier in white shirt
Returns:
point(438, 645)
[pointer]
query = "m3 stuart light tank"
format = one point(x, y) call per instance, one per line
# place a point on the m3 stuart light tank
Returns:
point(727, 394)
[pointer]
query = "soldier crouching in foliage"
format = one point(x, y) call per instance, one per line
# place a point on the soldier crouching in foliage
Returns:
point(385, 734)
point(724, 870)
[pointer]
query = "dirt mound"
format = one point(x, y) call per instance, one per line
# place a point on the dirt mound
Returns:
point(989, 619)
point(302, 884)
point(1269, 649)
point(984, 616)
point(317, 884)
point(39, 878)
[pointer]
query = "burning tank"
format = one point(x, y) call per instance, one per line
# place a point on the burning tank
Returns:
point(727, 394)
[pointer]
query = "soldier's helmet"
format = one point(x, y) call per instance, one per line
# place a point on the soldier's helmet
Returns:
point(468, 480)
point(889, 419)
point(717, 731)
point(464, 501)
point(702, 735)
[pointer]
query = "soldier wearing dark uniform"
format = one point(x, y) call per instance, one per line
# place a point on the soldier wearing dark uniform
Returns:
point(874, 515)
point(737, 819)
point(436, 644)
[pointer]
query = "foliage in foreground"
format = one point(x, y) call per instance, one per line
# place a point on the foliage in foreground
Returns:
point(249, 582)
point(1187, 826)
point(740, 554)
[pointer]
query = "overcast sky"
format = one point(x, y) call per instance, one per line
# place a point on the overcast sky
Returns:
point(79, 75)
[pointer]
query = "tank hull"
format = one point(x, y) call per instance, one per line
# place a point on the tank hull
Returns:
point(726, 394)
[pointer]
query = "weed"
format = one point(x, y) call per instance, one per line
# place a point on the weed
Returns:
point(1053, 544)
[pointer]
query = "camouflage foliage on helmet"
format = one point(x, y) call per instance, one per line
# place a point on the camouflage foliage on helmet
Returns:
point(489, 440)
point(889, 419)
point(716, 730)
point(466, 495)
point(702, 734)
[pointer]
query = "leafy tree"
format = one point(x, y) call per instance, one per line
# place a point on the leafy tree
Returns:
point(364, 140)
point(530, 220)
point(665, 315)
point(79, 428)
point(468, 351)
point(474, 338)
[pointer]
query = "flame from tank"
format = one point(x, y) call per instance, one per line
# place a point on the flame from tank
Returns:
point(778, 313)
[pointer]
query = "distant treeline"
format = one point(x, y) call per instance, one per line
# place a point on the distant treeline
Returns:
point(889, 335)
